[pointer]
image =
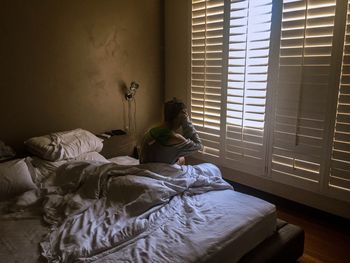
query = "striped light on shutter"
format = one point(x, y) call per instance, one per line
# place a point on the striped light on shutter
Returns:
point(340, 159)
point(206, 71)
point(249, 46)
point(301, 98)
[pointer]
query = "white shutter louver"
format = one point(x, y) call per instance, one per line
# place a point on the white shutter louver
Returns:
point(340, 158)
point(292, 55)
point(301, 94)
point(249, 46)
point(206, 71)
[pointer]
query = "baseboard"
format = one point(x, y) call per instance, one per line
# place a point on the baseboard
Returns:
point(301, 196)
point(290, 205)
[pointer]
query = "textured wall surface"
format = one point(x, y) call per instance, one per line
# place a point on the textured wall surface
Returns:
point(63, 65)
point(177, 15)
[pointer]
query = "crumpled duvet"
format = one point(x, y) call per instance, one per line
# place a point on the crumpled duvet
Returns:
point(96, 208)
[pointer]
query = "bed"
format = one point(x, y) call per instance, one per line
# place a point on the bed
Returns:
point(90, 209)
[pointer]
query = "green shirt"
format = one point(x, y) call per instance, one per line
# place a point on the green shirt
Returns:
point(156, 148)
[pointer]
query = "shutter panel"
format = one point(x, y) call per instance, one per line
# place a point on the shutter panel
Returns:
point(302, 91)
point(340, 160)
point(206, 71)
point(249, 46)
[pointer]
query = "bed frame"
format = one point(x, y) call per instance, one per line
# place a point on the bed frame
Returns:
point(285, 245)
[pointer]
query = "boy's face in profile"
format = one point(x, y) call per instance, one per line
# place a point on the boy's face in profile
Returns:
point(181, 117)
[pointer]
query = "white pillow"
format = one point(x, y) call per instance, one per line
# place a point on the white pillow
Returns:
point(124, 160)
point(91, 156)
point(64, 145)
point(14, 178)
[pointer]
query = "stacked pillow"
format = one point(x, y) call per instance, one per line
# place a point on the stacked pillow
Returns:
point(64, 145)
point(53, 150)
point(15, 178)
point(50, 151)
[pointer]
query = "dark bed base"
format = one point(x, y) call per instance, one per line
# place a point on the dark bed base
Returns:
point(285, 245)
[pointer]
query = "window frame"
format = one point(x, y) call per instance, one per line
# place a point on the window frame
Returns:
point(323, 186)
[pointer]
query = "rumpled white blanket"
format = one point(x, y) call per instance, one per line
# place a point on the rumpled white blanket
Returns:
point(96, 208)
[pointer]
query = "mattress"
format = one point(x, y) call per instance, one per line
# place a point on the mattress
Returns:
point(224, 217)
point(200, 226)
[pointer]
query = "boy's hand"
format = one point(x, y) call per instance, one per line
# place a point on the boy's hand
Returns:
point(185, 118)
point(181, 161)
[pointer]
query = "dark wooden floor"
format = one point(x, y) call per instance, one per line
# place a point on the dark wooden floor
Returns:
point(327, 237)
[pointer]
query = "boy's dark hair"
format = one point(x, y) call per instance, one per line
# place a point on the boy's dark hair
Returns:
point(172, 109)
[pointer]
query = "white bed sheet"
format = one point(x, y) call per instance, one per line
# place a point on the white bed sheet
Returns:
point(223, 217)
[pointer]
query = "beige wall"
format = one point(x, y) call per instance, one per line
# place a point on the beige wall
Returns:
point(62, 65)
point(177, 37)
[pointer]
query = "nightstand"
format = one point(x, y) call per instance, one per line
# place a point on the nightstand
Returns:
point(119, 145)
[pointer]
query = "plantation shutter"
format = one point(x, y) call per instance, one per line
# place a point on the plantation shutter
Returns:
point(339, 178)
point(206, 71)
point(249, 46)
point(302, 92)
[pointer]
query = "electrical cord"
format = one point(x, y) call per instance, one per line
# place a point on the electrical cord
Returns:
point(135, 115)
point(129, 117)
point(124, 115)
